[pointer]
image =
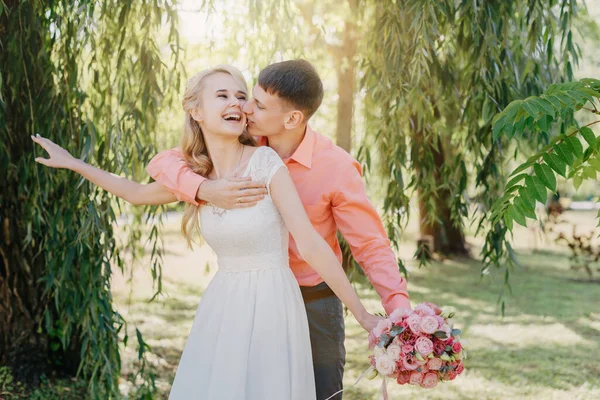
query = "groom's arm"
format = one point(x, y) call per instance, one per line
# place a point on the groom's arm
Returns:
point(359, 223)
point(170, 169)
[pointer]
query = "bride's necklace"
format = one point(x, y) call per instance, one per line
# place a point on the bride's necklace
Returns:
point(221, 211)
point(235, 166)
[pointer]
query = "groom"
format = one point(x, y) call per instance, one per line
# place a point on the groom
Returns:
point(330, 184)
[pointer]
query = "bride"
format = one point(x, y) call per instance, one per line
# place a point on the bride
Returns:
point(250, 337)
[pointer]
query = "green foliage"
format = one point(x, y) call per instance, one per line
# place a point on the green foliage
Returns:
point(59, 389)
point(92, 77)
point(435, 73)
point(564, 155)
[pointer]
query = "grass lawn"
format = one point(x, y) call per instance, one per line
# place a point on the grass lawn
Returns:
point(546, 347)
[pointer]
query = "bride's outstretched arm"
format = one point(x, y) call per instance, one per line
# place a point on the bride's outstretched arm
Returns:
point(130, 191)
point(314, 249)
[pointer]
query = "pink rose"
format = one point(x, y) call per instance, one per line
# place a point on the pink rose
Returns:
point(398, 314)
point(460, 369)
point(429, 324)
point(439, 347)
point(424, 346)
point(394, 351)
point(385, 365)
point(408, 337)
point(435, 364)
point(410, 362)
point(441, 321)
point(414, 322)
point(403, 377)
point(416, 378)
point(407, 348)
point(437, 310)
point(430, 380)
point(452, 375)
point(397, 341)
point(456, 347)
point(423, 368)
point(383, 327)
point(424, 310)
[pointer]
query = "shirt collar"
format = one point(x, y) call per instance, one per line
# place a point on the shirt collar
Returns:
point(304, 152)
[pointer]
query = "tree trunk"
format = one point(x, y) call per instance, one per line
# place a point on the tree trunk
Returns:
point(346, 77)
point(441, 235)
point(21, 347)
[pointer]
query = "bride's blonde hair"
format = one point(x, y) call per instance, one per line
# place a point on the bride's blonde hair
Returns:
point(193, 144)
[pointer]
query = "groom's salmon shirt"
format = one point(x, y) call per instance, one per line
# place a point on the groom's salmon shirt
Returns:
point(329, 182)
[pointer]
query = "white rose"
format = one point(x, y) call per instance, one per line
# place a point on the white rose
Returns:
point(385, 365)
point(378, 351)
point(394, 351)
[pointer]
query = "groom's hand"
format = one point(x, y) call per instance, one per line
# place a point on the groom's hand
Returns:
point(231, 193)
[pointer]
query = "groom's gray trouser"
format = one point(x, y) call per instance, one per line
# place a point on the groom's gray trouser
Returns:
point(326, 324)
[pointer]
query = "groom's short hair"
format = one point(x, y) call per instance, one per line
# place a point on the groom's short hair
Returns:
point(295, 81)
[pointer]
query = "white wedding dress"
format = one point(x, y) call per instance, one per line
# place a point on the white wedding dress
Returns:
point(250, 338)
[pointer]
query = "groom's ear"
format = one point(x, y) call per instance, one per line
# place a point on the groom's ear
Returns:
point(294, 119)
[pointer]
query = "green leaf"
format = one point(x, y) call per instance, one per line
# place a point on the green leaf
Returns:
point(546, 106)
point(536, 188)
point(595, 162)
point(531, 108)
point(522, 167)
point(514, 181)
point(563, 150)
point(555, 101)
point(569, 102)
point(577, 181)
point(527, 197)
point(544, 123)
point(556, 163)
point(508, 221)
point(517, 216)
point(589, 172)
point(396, 330)
point(546, 175)
point(575, 146)
point(588, 135)
point(498, 127)
point(524, 208)
point(440, 335)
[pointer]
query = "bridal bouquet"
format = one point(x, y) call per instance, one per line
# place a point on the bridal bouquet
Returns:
point(418, 347)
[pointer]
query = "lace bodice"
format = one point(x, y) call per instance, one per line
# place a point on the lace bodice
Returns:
point(249, 238)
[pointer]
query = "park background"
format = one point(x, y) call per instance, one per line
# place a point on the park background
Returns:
point(97, 297)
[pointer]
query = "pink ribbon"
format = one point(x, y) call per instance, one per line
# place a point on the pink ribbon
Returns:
point(383, 391)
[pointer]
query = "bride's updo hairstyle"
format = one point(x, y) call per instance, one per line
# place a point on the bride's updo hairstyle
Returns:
point(193, 144)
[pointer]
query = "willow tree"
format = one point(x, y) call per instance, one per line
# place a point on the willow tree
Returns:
point(91, 76)
point(436, 72)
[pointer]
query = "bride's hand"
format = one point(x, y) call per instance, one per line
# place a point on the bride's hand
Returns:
point(369, 321)
point(59, 157)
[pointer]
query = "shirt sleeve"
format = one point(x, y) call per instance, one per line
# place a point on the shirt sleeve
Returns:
point(362, 228)
point(170, 170)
